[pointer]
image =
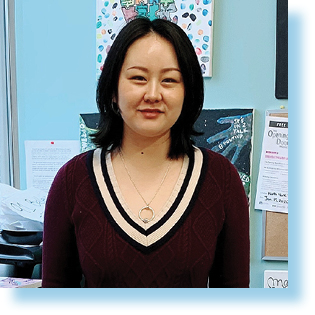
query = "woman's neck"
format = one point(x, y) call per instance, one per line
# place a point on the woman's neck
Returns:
point(150, 152)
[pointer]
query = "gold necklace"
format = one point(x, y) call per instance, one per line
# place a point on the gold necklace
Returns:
point(147, 206)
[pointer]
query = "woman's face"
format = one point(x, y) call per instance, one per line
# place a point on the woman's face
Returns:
point(150, 88)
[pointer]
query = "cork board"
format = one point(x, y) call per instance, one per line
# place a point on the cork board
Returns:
point(276, 236)
point(275, 228)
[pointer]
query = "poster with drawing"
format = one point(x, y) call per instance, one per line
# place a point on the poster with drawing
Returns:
point(227, 131)
point(195, 17)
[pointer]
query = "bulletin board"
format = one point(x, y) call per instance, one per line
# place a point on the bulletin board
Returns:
point(275, 229)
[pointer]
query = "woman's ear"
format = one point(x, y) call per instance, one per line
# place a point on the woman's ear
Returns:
point(114, 106)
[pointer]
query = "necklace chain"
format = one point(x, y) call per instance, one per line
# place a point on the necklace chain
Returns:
point(147, 207)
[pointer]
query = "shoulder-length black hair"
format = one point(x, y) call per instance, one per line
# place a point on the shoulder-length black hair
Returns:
point(110, 130)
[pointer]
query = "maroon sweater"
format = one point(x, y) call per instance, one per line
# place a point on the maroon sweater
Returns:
point(201, 240)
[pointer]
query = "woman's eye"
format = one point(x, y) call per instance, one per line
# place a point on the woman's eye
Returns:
point(138, 78)
point(169, 80)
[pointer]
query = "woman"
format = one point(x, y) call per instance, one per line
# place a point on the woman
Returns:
point(147, 208)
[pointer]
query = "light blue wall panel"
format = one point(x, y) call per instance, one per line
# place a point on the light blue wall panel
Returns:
point(56, 81)
point(55, 43)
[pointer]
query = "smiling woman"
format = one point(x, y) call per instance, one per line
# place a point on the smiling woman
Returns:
point(111, 124)
point(150, 88)
point(147, 208)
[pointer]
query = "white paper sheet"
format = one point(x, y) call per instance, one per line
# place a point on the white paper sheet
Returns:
point(44, 159)
point(272, 185)
point(21, 209)
point(276, 279)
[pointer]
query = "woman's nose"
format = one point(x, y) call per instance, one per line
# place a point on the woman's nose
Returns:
point(153, 92)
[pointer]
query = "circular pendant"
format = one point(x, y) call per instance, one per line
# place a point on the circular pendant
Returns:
point(146, 220)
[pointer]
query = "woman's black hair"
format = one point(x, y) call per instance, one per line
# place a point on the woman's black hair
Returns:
point(110, 129)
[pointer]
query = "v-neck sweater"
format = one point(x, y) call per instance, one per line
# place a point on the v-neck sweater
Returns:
point(199, 239)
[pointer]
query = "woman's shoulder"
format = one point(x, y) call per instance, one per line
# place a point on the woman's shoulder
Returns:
point(218, 166)
point(76, 164)
point(220, 169)
point(214, 158)
point(78, 159)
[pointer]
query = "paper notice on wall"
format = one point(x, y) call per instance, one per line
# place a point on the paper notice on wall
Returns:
point(276, 279)
point(44, 159)
point(272, 185)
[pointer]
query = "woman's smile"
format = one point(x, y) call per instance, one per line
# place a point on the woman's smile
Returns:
point(151, 113)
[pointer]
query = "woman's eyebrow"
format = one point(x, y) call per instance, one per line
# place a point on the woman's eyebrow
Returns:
point(138, 68)
point(146, 70)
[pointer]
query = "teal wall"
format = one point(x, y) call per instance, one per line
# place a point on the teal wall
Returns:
point(56, 77)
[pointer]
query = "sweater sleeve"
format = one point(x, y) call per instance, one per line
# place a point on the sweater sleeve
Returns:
point(60, 265)
point(231, 266)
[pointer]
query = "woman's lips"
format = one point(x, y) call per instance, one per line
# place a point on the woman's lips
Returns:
point(150, 113)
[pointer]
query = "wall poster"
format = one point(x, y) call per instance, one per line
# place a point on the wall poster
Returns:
point(195, 17)
point(272, 183)
point(229, 132)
